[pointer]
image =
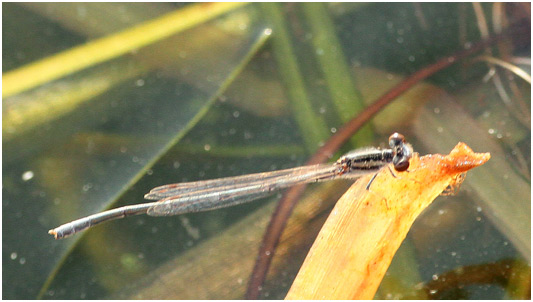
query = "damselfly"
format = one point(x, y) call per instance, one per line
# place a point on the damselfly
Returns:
point(189, 197)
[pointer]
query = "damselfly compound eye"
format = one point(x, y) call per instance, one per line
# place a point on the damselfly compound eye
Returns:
point(396, 140)
point(400, 163)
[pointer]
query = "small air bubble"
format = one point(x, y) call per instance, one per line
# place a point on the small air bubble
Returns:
point(139, 82)
point(27, 175)
point(87, 187)
point(13, 256)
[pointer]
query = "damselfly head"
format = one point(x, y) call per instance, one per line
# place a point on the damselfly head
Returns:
point(402, 152)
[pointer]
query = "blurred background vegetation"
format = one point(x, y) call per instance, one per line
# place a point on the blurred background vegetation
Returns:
point(104, 101)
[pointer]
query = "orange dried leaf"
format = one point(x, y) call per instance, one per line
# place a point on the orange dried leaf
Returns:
point(356, 244)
